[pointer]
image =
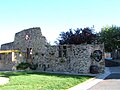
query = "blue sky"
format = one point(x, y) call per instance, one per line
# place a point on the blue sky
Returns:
point(55, 16)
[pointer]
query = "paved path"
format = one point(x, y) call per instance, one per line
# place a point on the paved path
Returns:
point(3, 80)
point(88, 84)
point(111, 82)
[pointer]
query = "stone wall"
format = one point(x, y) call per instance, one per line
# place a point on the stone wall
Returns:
point(30, 38)
point(66, 58)
point(7, 46)
point(77, 59)
point(7, 62)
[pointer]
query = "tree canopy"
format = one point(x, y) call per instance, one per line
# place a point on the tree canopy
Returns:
point(78, 36)
point(110, 35)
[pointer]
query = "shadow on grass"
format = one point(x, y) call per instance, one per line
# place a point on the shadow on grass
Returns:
point(10, 73)
point(27, 73)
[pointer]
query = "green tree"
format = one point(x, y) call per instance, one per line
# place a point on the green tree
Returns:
point(78, 36)
point(110, 36)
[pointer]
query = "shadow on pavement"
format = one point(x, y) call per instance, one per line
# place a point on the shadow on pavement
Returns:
point(113, 76)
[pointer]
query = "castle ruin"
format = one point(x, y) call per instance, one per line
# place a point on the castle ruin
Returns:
point(31, 46)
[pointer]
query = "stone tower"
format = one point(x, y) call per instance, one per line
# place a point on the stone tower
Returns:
point(30, 38)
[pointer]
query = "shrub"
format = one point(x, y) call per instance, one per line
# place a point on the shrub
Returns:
point(23, 66)
point(33, 66)
point(94, 69)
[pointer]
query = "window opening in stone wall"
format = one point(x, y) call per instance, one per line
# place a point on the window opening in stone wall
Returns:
point(27, 37)
point(44, 67)
point(62, 51)
point(28, 53)
point(31, 52)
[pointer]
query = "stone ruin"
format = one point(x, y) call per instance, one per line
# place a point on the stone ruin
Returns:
point(30, 45)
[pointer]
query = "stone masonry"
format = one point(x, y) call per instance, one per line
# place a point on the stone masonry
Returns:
point(33, 48)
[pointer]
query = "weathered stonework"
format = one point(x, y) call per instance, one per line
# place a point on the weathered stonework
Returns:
point(7, 46)
point(7, 62)
point(34, 48)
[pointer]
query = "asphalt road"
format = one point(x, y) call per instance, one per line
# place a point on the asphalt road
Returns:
point(111, 82)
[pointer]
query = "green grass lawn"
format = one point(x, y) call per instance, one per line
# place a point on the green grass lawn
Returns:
point(40, 81)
